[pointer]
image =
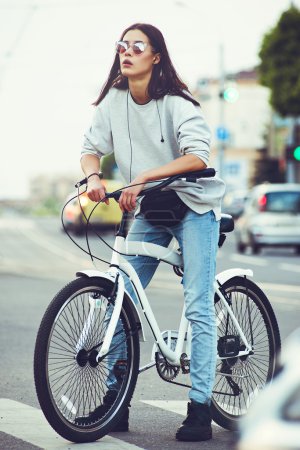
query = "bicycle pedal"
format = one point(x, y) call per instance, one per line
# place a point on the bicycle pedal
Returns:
point(185, 364)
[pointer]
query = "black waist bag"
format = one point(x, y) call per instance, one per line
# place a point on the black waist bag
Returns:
point(163, 208)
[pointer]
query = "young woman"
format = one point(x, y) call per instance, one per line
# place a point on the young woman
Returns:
point(147, 117)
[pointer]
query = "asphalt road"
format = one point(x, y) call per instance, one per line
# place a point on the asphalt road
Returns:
point(36, 260)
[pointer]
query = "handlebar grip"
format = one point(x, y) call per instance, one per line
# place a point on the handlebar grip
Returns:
point(204, 173)
point(115, 195)
point(80, 183)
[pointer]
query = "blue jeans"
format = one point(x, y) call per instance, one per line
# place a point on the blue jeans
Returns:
point(197, 236)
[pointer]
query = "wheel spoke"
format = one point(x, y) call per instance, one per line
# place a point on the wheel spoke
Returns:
point(255, 369)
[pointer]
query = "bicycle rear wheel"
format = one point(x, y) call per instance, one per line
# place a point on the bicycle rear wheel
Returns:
point(243, 377)
point(72, 387)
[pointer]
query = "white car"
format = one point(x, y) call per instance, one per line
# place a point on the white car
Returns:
point(271, 217)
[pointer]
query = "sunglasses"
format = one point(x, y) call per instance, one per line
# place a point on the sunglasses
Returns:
point(138, 47)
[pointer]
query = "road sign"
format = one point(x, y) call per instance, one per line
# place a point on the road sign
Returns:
point(222, 133)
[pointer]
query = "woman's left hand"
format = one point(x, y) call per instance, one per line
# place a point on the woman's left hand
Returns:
point(127, 201)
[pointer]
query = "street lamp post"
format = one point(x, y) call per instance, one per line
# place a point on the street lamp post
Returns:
point(221, 141)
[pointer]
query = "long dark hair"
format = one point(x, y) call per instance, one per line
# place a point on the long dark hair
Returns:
point(164, 79)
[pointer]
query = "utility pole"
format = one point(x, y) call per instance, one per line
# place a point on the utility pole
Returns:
point(221, 141)
point(290, 165)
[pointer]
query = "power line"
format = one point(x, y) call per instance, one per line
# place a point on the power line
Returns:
point(56, 4)
point(9, 53)
point(21, 32)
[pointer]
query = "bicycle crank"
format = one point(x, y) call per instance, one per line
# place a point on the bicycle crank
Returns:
point(165, 370)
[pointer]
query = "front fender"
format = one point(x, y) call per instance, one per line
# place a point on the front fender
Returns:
point(222, 277)
point(111, 277)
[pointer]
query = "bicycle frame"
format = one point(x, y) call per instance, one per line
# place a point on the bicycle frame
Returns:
point(171, 257)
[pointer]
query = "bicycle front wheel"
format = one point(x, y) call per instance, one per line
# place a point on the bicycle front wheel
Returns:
point(83, 399)
point(238, 380)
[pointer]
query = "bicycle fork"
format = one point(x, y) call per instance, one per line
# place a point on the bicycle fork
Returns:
point(116, 296)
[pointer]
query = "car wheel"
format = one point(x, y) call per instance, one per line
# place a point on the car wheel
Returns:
point(241, 247)
point(255, 248)
point(79, 227)
point(78, 231)
point(298, 249)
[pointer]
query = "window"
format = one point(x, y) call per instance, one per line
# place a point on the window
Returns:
point(283, 202)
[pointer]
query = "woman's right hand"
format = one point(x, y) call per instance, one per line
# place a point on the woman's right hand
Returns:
point(96, 190)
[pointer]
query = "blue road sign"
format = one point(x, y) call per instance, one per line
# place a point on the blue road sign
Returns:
point(222, 133)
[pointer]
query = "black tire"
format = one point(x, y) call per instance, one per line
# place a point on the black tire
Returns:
point(255, 248)
point(70, 384)
point(79, 228)
point(230, 401)
point(241, 247)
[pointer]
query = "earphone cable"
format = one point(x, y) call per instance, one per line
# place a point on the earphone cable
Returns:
point(161, 134)
point(129, 136)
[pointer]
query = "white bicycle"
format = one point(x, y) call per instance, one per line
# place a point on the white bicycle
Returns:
point(77, 342)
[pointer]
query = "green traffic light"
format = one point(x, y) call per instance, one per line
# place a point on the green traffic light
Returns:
point(297, 153)
point(231, 95)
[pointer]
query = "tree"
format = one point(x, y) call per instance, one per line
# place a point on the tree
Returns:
point(280, 63)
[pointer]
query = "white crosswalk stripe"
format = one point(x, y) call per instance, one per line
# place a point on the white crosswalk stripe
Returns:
point(29, 424)
point(289, 267)
point(176, 406)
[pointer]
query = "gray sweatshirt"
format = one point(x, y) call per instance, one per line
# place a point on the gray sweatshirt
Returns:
point(135, 133)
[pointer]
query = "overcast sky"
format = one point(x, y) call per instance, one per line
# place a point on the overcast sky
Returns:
point(55, 55)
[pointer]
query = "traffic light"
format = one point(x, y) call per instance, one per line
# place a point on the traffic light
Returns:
point(230, 94)
point(297, 142)
point(297, 153)
point(292, 152)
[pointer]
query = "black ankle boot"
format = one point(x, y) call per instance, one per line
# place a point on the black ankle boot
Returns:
point(100, 411)
point(197, 425)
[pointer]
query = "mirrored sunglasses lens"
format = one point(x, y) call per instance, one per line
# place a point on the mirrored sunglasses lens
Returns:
point(121, 47)
point(138, 48)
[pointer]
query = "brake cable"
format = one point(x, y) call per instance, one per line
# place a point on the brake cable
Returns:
point(89, 225)
point(191, 176)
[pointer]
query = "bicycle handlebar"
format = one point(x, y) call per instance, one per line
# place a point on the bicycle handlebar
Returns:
point(189, 176)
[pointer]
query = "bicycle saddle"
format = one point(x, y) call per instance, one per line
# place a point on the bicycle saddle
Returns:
point(226, 224)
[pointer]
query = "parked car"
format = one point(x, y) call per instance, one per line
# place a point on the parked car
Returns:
point(104, 216)
point(271, 217)
point(234, 202)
